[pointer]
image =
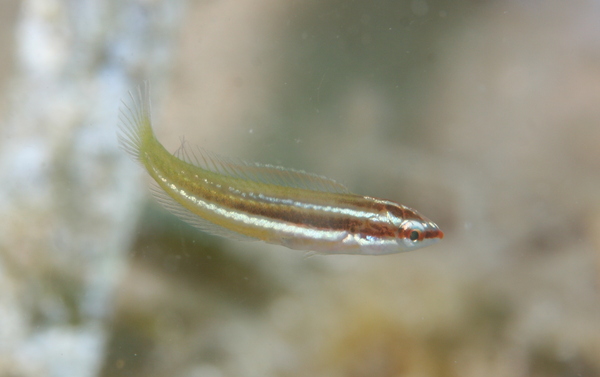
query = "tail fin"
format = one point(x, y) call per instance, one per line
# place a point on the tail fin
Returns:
point(135, 123)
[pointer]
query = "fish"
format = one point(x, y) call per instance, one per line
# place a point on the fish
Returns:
point(246, 201)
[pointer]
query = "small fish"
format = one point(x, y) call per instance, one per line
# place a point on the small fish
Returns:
point(250, 201)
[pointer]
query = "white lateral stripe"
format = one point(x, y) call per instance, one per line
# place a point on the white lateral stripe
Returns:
point(316, 207)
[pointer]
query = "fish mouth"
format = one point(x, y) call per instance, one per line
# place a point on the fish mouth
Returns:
point(433, 233)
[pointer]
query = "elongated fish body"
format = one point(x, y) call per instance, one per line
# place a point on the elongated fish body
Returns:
point(249, 201)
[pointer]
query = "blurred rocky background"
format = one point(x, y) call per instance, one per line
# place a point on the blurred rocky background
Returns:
point(483, 115)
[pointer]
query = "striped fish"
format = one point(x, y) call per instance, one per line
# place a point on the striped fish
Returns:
point(251, 201)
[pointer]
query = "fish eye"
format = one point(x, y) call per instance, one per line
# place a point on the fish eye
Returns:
point(414, 235)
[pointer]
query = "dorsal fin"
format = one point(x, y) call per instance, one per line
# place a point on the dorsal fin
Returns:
point(270, 174)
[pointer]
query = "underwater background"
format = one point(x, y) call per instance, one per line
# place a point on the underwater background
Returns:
point(482, 115)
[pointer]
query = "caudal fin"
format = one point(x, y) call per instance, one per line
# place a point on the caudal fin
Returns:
point(135, 123)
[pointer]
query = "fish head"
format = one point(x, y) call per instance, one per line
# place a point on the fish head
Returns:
point(398, 229)
point(417, 233)
point(413, 230)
